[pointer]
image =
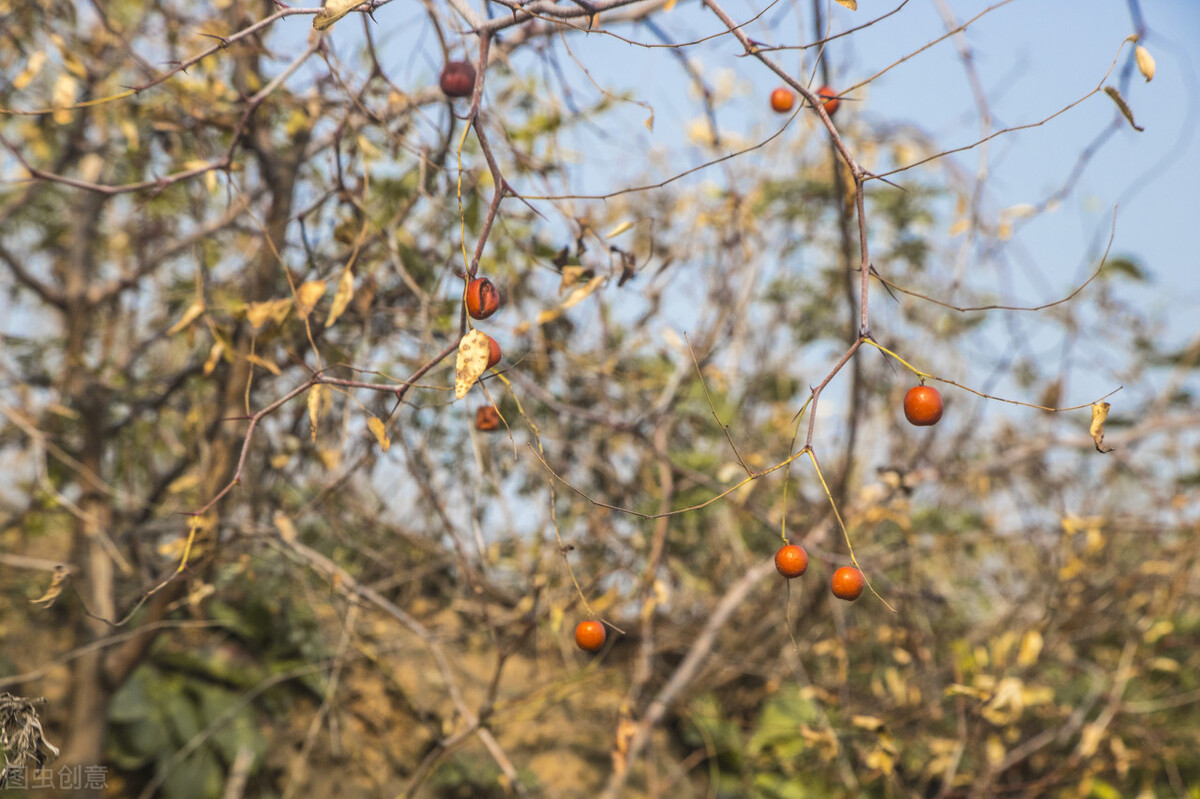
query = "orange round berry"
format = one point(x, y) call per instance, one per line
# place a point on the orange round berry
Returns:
point(848, 583)
point(493, 352)
point(590, 635)
point(483, 298)
point(923, 406)
point(782, 100)
point(791, 561)
point(457, 79)
point(831, 104)
point(487, 419)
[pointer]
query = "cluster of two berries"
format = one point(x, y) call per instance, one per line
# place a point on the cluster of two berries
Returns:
point(783, 99)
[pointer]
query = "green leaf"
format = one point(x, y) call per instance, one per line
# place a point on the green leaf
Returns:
point(1126, 267)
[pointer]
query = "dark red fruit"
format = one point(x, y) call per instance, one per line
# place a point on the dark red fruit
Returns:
point(487, 418)
point(458, 79)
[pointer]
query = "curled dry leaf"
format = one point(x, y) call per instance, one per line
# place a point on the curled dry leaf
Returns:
point(581, 293)
point(47, 599)
point(473, 353)
point(190, 315)
point(619, 229)
point(850, 4)
point(570, 276)
point(264, 363)
point(333, 11)
point(1126, 111)
point(317, 401)
point(1099, 415)
point(1145, 62)
point(380, 433)
point(626, 729)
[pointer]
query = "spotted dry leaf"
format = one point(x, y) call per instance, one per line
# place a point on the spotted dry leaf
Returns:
point(473, 352)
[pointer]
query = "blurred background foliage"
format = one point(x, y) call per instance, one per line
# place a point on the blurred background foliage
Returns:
point(345, 604)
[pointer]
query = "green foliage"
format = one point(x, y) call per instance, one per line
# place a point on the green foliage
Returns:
point(157, 713)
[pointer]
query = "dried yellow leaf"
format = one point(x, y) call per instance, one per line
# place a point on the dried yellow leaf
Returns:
point(63, 96)
point(264, 363)
point(1145, 62)
point(1031, 648)
point(1099, 414)
point(285, 526)
point(190, 315)
point(570, 276)
point(308, 295)
point(1169, 665)
point(32, 68)
point(259, 313)
point(56, 587)
point(380, 433)
point(333, 11)
point(184, 483)
point(472, 360)
point(619, 229)
point(583, 292)
point(1089, 740)
point(850, 4)
point(330, 458)
point(342, 297)
point(995, 751)
point(1158, 630)
point(867, 722)
point(316, 402)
